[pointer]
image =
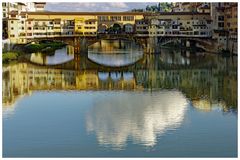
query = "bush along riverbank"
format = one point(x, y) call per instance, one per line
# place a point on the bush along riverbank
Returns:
point(10, 56)
point(44, 47)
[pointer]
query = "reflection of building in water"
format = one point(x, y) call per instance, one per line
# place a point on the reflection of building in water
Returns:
point(230, 89)
point(116, 80)
point(214, 84)
point(38, 58)
point(87, 80)
point(206, 105)
point(59, 56)
point(141, 119)
point(175, 58)
point(13, 83)
point(70, 50)
point(23, 78)
point(114, 46)
point(210, 84)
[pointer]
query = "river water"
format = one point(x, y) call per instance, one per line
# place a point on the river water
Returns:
point(119, 101)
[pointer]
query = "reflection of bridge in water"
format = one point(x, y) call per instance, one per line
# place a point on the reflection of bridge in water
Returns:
point(24, 78)
point(194, 80)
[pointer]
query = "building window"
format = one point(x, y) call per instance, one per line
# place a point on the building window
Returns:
point(103, 18)
point(174, 27)
point(221, 18)
point(22, 22)
point(128, 18)
point(29, 22)
point(220, 24)
point(12, 35)
point(12, 28)
point(29, 28)
point(57, 22)
point(12, 22)
point(22, 28)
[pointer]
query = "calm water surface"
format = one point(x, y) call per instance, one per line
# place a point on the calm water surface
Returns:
point(118, 102)
point(60, 56)
point(116, 53)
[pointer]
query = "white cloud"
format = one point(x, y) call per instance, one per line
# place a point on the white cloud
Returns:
point(119, 5)
point(94, 7)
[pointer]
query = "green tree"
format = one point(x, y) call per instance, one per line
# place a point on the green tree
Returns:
point(160, 7)
point(165, 6)
point(148, 8)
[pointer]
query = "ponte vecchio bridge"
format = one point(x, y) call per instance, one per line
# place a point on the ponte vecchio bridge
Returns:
point(81, 29)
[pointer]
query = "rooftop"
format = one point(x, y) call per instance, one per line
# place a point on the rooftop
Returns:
point(116, 13)
point(178, 13)
point(85, 13)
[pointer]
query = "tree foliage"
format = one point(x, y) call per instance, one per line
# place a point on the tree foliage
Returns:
point(160, 7)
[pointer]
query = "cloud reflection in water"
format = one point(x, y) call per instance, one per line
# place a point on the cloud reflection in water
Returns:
point(140, 117)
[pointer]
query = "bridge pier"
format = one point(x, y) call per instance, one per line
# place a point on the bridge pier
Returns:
point(76, 61)
point(153, 45)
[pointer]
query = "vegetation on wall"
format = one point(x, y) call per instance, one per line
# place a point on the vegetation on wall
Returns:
point(44, 46)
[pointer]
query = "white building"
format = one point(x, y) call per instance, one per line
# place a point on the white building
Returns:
point(15, 26)
point(180, 25)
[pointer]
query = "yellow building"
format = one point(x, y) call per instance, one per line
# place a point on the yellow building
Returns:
point(25, 26)
point(62, 24)
point(230, 18)
point(86, 26)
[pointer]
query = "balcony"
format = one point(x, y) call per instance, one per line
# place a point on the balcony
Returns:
point(68, 27)
point(22, 34)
